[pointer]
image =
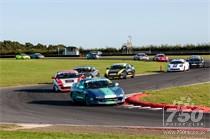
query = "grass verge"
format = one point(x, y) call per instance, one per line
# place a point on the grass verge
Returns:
point(94, 132)
point(59, 135)
point(21, 72)
point(199, 94)
point(8, 126)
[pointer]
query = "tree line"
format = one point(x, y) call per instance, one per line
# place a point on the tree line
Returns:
point(8, 47)
point(13, 47)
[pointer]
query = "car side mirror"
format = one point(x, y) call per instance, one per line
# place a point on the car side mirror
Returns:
point(53, 77)
point(116, 84)
point(107, 68)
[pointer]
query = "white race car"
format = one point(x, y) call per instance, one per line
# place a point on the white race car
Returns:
point(64, 80)
point(141, 56)
point(178, 65)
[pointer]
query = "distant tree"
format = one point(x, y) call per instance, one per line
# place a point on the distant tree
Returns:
point(8, 47)
point(29, 45)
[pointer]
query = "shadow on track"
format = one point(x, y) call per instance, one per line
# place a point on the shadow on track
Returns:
point(46, 83)
point(55, 102)
point(37, 90)
point(65, 103)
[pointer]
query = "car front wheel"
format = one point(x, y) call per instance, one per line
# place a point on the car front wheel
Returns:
point(55, 88)
point(184, 69)
point(72, 98)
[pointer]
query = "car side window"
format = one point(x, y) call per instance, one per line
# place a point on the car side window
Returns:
point(127, 67)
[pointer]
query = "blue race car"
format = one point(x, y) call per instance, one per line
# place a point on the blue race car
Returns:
point(97, 91)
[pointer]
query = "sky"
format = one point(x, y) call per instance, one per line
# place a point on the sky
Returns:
point(105, 23)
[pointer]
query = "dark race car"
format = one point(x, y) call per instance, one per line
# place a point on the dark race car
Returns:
point(88, 71)
point(120, 71)
point(196, 61)
point(92, 56)
point(36, 56)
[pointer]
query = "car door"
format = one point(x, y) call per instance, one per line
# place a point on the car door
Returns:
point(79, 91)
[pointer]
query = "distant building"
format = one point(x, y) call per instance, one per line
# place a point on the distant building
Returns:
point(127, 48)
point(71, 50)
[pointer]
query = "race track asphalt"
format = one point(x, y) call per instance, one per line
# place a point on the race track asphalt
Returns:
point(38, 104)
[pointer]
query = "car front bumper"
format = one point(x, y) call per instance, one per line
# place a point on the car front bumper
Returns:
point(113, 75)
point(162, 60)
point(108, 101)
point(64, 89)
point(175, 69)
point(196, 65)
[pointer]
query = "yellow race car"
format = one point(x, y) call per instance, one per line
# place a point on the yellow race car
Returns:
point(120, 71)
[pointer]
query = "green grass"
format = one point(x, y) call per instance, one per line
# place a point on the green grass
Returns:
point(59, 135)
point(199, 94)
point(20, 72)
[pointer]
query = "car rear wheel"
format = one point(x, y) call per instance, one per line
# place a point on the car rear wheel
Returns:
point(124, 75)
point(133, 75)
point(87, 100)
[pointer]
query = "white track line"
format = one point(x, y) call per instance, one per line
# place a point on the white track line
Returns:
point(156, 108)
point(116, 126)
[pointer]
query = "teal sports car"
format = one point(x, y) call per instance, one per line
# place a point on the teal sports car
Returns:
point(93, 91)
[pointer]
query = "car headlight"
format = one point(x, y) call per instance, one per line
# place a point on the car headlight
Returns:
point(99, 97)
point(91, 99)
point(107, 72)
point(181, 65)
point(121, 95)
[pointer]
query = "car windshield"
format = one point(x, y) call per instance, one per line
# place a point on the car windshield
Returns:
point(91, 54)
point(83, 70)
point(177, 62)
point(38, 54)
point(67, 75)
point(97, 84)
point(141, 54)
point(117, 67)
point(195, 59)
point(161, 55)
